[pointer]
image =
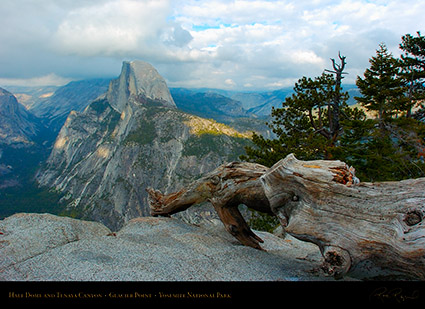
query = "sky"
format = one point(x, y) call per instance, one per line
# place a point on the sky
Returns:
point(244, 45)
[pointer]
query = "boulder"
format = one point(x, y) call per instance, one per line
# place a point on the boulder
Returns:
point(44, 247)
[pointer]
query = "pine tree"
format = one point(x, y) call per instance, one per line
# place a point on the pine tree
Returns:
point(392, 141)
point(352, 146)
point(413, 68)
point(382, 87)
point(382, 155)
point(316, 123)
point(308, 124)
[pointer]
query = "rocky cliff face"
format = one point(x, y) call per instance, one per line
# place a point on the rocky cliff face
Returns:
point(16, 124)
point(128, 139)
point(54, 108)
point(22, 140)
point(139, 80)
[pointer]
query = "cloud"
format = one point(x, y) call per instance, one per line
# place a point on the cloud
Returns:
point(120, 29)
point(200, 43)
point(283, 40)
point(217, 12)
point(46, 80)
point(230, 82)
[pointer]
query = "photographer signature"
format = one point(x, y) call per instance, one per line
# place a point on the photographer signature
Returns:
point(397, 294)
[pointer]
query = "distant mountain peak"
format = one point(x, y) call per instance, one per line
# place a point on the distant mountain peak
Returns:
point(128, 139)
point(17, 125)
point(139, 80)
point(8, 100)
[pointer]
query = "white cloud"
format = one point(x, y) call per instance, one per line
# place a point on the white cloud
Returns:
point(234, 12)
point(230, 82)
point(284, 40)
point(115, 28)
point(46, 80)
point(122, 29)
point(201, 43)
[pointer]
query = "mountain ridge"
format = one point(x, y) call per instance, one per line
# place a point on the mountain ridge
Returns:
point(55, 107)
point(17, 125)
point(129, 138)
point(23, 140)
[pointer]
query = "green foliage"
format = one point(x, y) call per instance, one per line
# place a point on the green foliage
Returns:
point(28, 197)
point(412, 64)
point(303, 124)
point(143, 135)
point(202, 145)
point(390, 146)
point(392, 142)
point(18, 190)
point(99, 106)
point(265, 151)
point(389, 153)
point(263, 222)
point(382, 87)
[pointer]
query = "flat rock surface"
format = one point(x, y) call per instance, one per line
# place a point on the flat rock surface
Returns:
point(42, 247)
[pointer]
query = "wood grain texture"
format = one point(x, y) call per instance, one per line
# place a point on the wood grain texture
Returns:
point(353, 223)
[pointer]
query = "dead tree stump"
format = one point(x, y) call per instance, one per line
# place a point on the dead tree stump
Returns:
point(356, 225)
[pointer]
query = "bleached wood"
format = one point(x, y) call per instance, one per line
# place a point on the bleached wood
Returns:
point(226, 188)
point(354, 224)
point(321, 202)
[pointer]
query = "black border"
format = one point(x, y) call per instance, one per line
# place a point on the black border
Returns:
point(217, 292)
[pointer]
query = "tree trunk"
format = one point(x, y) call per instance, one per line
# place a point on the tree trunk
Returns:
point(356, 225)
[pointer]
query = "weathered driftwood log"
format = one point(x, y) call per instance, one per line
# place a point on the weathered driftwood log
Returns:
point(226, 188)
point(352, 223)
point(356, 225)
